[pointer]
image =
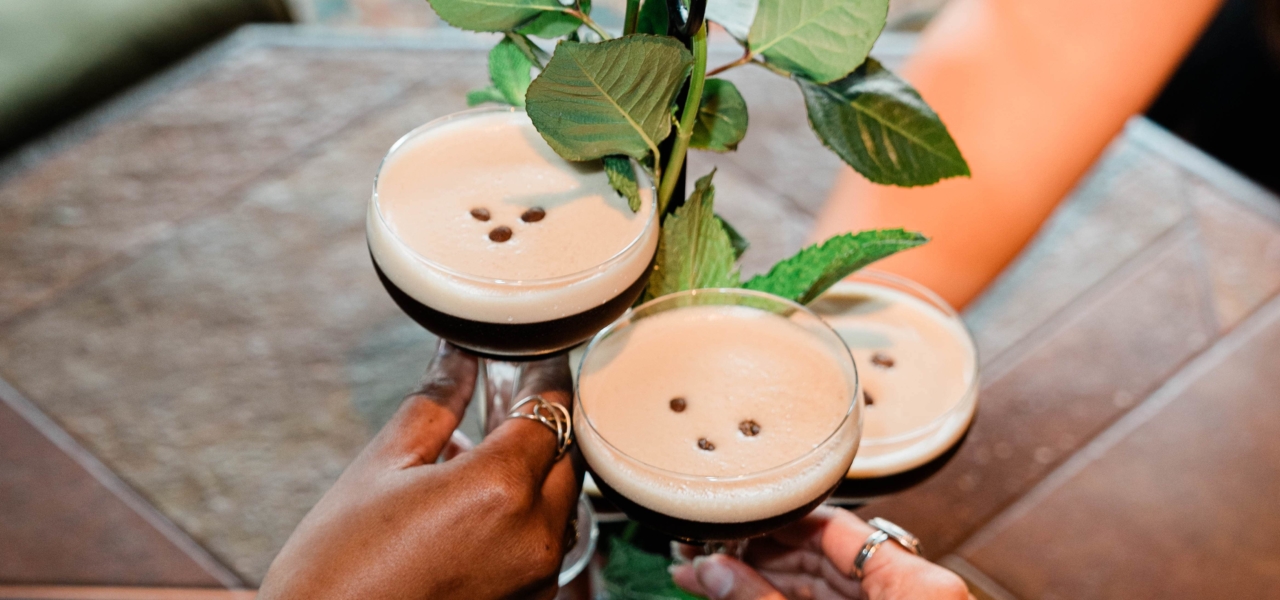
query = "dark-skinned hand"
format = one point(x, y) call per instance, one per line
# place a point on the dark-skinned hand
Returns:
point(489, 523)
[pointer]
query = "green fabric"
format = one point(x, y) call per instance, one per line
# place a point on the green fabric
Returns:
point(60, 56)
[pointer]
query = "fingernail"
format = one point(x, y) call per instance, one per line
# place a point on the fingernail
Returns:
point(714, 576)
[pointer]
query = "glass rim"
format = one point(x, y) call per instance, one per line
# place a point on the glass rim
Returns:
point(950, 313)
point(854, 409)
point(480, 279)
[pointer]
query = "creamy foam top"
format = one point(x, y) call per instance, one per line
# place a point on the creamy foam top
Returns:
point(932, 372)
point(425, 238)
point(730, 365)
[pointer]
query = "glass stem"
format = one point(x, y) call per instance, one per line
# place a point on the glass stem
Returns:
point(501, 382)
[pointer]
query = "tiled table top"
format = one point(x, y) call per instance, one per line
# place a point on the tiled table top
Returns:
point(184, 289)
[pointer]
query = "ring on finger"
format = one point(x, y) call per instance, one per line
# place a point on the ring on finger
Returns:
point(885, 530)
point(554, 416)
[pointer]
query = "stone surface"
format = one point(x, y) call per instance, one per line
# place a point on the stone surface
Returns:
point(1062, 390)
point(1182, 505)
point(61, 525)
point(1241, 252)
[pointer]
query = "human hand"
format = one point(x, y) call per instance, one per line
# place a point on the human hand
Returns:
point(489, 523)
point(813, 558)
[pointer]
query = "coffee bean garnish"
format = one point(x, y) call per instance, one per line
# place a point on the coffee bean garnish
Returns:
point(500, 233)
point(480, 214)
point(867, 396)
point(678, 404)
point(533, 215)
point(882, 360)
point(705, 444)
point(749, 428)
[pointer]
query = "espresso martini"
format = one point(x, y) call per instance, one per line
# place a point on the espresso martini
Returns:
point(717, 422)
point(489, 239)
point(918, 369)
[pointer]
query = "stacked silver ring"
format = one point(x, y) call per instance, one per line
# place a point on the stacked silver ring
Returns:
point(554, 416)
point(885, 530)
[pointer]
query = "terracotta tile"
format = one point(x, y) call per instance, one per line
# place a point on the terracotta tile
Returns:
point(1179, 503)
point(217, 371)
point(1066, 386)
point(58, 524)
point(1242, 252)
point(132, 181)
point(1122, 206)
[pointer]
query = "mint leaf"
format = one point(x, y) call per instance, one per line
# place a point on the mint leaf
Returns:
point(482, 95)
point(492, 15)
point(695, 251)
point(821, 39)
point(593, 100)
point(622, 176)
point(552, 25)
point(882, 128)
point(509, 70)
point(740, 244)
point(633, 574)
point(735, 16)
point(810, 272)
point(652, 18)
point(722, 118)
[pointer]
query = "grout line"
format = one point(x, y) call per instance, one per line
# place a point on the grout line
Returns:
point(1184, 378)
point(975, 577)
point(112, 481)
point(63, 592)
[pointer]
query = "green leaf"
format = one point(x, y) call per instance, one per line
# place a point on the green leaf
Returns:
point(482, 95)
point(810, 272)
point(882, 128)
point(821, 39)
point(492, 15)
point(509, 70)
point(722, 118)
point(622, 176)
point(653, 17)
point(735, 16)
point(695, 250)
point(740, 244)
point(552, 25)
point(593, 100)
point(633, 574)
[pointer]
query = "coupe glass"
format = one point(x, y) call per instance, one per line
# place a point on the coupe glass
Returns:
point(720, 512)
point(503, 343)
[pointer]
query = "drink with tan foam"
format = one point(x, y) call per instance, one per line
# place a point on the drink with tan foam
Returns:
point(919, 373)
point(718, 414)
point(489, 239)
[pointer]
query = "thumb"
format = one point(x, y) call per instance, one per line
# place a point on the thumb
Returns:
point(723, 578)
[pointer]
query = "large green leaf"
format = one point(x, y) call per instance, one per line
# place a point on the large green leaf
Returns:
point(821, 39)
point(810, 272)
point(482, 95)
point(740, 243)
point(633, 574)
point(735, 16)
point(653, 17)
point(722, 118)
point(622, 176)
point(510, 71)
point(492, 15)
point(882, 128)
point(551, 25)
point(694, 251)
point(593, 100)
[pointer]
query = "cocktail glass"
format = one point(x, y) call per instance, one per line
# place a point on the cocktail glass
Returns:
point(719, 511)
point(491, 316)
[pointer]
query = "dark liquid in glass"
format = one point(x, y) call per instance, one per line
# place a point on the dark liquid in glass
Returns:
point(516, 339)
point(700, 531)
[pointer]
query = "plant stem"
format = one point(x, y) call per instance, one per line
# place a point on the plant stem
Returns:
point(684, 131)
point(633, 17)
point(586, 20)
point(746, 58)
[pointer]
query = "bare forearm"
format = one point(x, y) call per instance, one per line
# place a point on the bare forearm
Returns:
point(1032, 91)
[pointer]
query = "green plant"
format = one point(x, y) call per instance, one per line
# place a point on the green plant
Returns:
point(647, 95)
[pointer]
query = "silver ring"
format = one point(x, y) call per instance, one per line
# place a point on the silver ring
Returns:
point(554, 416)
point(885, 531)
